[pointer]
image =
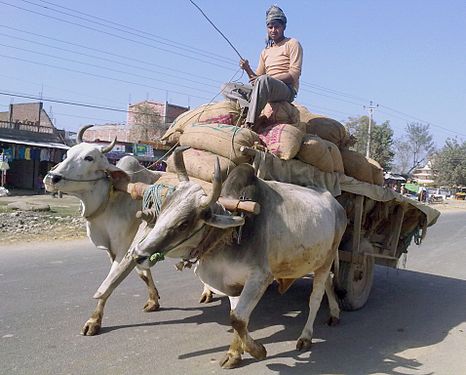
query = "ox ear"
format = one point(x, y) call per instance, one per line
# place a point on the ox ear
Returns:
point(119, 176)
point(224, 221)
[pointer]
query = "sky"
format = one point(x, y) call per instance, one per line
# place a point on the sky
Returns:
point(88, 60)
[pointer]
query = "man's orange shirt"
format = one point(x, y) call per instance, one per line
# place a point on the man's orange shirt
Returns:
point(283, 57)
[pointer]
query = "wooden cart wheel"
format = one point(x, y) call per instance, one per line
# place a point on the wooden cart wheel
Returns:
point(357, 281)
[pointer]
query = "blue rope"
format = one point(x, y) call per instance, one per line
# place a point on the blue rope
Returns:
point(153, 196)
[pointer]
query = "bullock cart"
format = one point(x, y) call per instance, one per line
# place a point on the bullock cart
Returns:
point(381, 223)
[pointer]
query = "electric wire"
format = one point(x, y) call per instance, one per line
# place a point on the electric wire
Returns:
point(118, 36)
point(99, 50)
point(100, 76)
point(125, 28)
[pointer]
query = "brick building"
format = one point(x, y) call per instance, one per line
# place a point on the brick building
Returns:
point(30, 143)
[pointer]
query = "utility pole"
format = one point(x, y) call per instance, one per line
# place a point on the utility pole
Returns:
point(370, 109)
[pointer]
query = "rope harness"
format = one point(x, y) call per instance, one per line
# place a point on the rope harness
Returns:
point(154, 195)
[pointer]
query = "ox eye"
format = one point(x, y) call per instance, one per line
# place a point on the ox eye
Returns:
point(89, 158)
point(183, 226)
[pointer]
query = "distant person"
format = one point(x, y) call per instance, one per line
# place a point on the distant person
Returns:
point(277, 76)
point(39, 185)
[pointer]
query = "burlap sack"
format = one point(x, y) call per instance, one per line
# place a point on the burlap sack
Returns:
point(225, 112)
point(224, 140)
point(328, 129)
point(282, 140)
point(201, 164)
point(377, 172)
point(315, 151)
point(171, 179)
point(356, 165)
point(336, 157)
point(304, 114)
point(280, 113)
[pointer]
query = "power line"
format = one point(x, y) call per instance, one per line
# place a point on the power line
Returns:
point(103, 67)
point(107, 53)
point(115, 35)
point(68, 102)
point(100, 76)
point(125, 28)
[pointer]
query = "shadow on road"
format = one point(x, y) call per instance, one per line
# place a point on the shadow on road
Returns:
point(406, 310)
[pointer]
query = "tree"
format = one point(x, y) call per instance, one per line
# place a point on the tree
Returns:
point(449, 164)
point(414, 148)
point(147, 125)
point(382, 139)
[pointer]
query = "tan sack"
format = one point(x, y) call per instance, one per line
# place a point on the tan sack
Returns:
point(377, 172)
point(280, 113)
point(171, 179)
point(201, 164)
point(224, 112)
point(358, 166)
point(304, 114)
point(282, 140)
point(316, 152)
point(336, 157)
point(224, 140)
point(328, 129)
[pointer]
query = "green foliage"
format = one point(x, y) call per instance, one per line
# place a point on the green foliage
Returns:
point(450, 164)
point(381, 143)
point(415, 147)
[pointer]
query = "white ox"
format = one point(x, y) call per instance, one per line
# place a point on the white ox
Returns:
point(297, 232)
point(111, 215)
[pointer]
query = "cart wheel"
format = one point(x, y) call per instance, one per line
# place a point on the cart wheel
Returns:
point(357, 281)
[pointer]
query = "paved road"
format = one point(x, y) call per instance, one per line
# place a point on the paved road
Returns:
point(414, 322)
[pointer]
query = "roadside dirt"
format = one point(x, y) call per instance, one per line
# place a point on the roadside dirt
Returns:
point(64, 222)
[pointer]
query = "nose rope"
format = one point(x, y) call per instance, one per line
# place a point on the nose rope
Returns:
point(161, 256)
point(105, 176)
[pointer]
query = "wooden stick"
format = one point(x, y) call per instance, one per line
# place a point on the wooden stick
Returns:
point(136, 190)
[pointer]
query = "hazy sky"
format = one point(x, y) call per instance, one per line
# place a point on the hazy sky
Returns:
point(409, 57)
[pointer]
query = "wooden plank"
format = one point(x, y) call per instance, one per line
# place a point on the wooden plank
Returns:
point(395, 237)
point(357, 222)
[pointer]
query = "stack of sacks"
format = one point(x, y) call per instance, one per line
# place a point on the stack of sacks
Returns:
point(362, 168)
point(279, 129)
point(224, 112)
point(350, 162)
point(286, 133)
point(209, 141)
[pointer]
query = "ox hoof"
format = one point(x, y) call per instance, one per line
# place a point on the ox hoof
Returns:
point(90, 329)
point(258, 351)
point(230, 360)
point(206, 297)
point(303, 344)
point(333, 321)
point(151, 306)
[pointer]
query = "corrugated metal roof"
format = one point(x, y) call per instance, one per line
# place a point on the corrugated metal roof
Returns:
point(36, 144)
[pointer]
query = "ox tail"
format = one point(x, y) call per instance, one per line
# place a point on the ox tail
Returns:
point(339, 290)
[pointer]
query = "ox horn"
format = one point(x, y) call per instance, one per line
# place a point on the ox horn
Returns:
point(108, 148)
point(179, 163)
point(216, 187)
point(82, 129)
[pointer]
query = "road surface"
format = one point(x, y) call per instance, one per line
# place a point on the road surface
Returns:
point(414, 322)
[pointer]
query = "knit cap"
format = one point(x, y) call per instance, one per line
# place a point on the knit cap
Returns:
point(274, 13)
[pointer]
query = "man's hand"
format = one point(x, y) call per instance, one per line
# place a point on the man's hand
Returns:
point(244, 64)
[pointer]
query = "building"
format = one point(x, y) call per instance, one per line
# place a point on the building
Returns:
point(131, 138)
point(30, 144)
point(167, 112)
point(425, 175)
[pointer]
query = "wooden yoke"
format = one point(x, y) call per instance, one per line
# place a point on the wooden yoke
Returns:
point(137, 189)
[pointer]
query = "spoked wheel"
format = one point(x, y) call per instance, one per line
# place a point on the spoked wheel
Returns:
point(357, 280)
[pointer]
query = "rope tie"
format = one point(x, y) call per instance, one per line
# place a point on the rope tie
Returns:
point(154, 196)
